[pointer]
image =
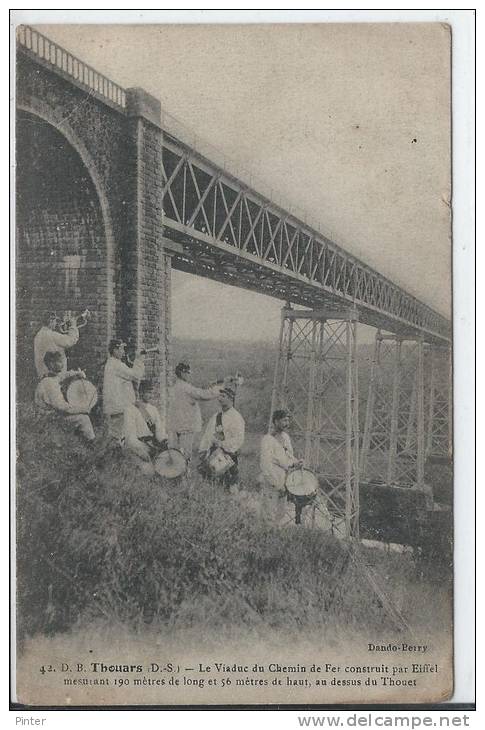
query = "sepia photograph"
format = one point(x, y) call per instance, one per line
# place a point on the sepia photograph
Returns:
point(233, 363)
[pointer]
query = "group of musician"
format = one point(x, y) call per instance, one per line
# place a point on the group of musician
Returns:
point(223, 436)
point(135, 424)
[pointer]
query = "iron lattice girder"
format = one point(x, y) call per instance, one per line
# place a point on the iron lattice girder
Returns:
point(316, 379)
point(204, 205)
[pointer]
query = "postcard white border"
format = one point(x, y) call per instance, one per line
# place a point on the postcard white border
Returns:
point(462, 22)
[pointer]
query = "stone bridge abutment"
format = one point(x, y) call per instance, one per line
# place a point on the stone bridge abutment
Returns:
point(89, 217)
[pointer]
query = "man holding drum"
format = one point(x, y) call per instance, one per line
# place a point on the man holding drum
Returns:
point(118, 390)
point(276, 458)
point(50, 399)
point(184, 416)
point(221, 442)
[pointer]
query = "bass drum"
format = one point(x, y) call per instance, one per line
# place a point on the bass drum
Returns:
point(301, 488)
point(170, 464)
point(81, 394)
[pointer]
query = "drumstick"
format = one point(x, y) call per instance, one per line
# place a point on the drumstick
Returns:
point(86, 393)
point(84, 387)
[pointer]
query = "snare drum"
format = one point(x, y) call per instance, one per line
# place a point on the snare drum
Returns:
point(170, 464)
point(301, 488)
point(220, 462)
point(81, 394)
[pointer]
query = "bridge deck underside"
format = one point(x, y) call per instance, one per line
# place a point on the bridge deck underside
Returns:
point(220, 262)
point(231, 233)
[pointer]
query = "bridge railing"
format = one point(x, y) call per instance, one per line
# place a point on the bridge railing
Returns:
point(212, 204)
point(81, 72)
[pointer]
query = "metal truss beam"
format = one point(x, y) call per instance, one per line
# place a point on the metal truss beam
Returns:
point(316, 379)
point(211, 212)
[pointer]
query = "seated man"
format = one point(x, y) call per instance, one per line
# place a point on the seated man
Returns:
point(143, 431)
point(50, 399)
point(276, 458)
point(224, 431)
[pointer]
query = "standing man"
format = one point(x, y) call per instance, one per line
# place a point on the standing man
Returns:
point(184, 416)
point(276, 458)
point(48, 339)
point(118, 390)
point(224, 431)
point(49, 398)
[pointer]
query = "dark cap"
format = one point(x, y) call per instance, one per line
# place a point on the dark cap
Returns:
point(51, 357)
point(113, 344)
point(228, 391)
point(182, 367)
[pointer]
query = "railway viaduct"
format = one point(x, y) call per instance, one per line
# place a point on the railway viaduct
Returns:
point(108, 202)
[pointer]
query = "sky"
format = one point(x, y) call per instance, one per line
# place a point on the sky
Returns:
point(347, 124)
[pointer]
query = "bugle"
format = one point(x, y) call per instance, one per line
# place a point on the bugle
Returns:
point(131, 353)
point(69, 319)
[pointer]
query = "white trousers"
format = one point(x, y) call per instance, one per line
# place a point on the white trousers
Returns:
point(82, 423)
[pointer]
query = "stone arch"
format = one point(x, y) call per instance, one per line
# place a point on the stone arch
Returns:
point(91, 257)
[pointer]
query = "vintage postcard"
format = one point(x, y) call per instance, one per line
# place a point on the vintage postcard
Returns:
point(233, 364)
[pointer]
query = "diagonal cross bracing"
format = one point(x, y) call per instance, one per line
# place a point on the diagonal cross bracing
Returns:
point(225, 219)
point(316, 380)
point(438, 411)
point(263, 238)
point(393, 443)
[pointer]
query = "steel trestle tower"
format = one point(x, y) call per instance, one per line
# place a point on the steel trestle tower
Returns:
point(316, 380)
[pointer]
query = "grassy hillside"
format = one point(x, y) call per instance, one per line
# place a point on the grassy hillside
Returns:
point(97, 541)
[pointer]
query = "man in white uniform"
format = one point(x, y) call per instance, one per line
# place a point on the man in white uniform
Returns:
point(225, 431)
point(118, 390)
point(50, 400)
point(184, 416)
point(145, 435)
point(48, 339)
point(276, 458)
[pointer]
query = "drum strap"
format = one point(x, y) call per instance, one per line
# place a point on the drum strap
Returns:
point(283, 444)
point(142, 408)
point(219, 428)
